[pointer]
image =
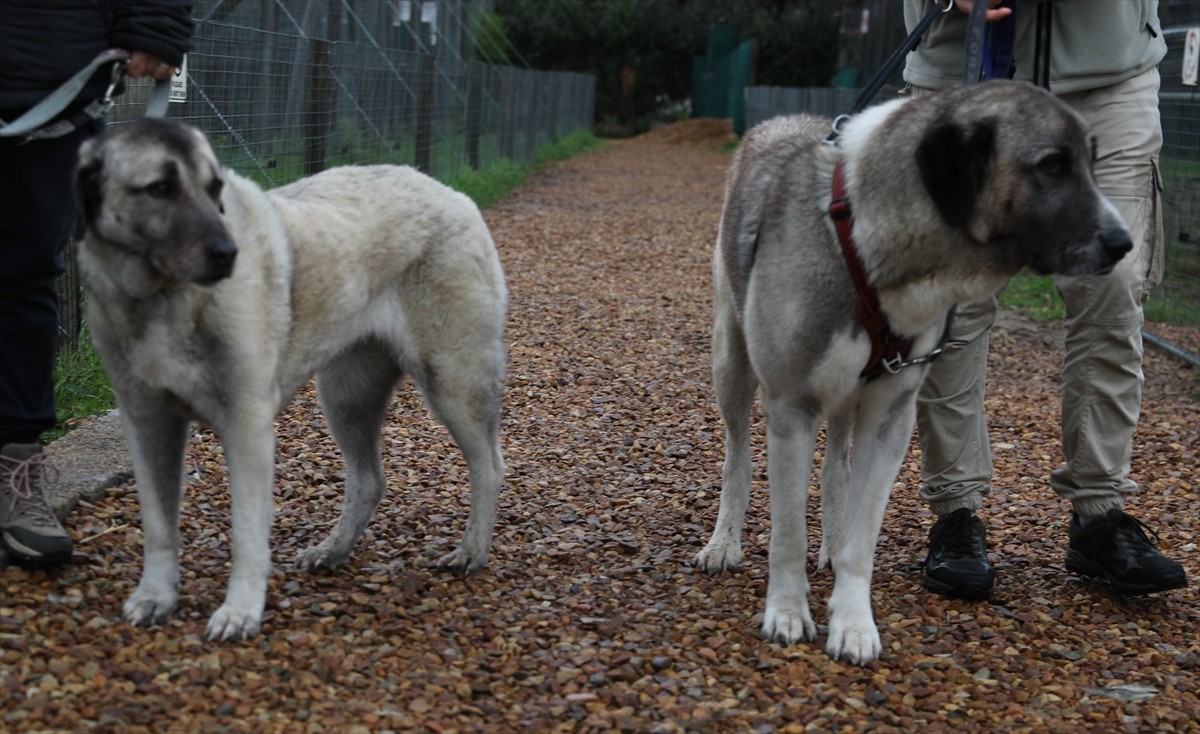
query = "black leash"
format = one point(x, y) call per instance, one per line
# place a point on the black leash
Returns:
point(989, 53)
point(976, 38)
point(888, 350)
point(889, 67)
point(1041, 49)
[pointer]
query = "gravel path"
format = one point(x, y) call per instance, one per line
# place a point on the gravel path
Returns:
point(589, 618)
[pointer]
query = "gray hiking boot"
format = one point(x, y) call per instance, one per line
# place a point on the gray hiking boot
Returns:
point(29, 530)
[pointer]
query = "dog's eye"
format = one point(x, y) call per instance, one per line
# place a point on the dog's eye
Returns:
point(162, 189)
point(214, 193)
point(1055, 165)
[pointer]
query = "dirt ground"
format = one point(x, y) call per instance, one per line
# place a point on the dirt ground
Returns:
point(590, 618)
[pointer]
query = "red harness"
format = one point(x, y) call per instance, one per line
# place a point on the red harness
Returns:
point(887, 349)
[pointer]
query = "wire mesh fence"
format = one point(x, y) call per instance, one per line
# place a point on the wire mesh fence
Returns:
point(1177, 299)
point(287, 88)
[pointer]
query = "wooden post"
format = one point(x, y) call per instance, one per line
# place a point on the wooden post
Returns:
point(507, 111)
point(474, 111)
point(318, 111)
point(426, 96)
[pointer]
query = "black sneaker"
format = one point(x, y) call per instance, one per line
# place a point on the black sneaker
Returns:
point(29, 530)
point(957, 563)
point(1115, 547)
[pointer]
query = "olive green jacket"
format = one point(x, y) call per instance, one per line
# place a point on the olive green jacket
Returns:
point(1093, 43)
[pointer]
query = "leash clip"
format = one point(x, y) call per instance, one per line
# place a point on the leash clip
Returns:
point(898, 362)
point(835, 130)
point(894, 365)
point(118, 70)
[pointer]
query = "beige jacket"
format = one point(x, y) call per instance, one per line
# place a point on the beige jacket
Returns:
point(1094, 43)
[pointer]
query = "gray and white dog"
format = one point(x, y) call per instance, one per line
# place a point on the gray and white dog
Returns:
point(211, 300)
point(950, 195)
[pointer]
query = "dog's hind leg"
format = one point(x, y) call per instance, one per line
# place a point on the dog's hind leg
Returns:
point(835, 477)
point(791, 434)
point(882, 431)
point(735, 385)
point(465, 395)
point(355, 390)
point(157, 435)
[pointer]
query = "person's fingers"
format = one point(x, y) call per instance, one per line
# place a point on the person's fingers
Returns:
point(142, 64)
point(992, 15)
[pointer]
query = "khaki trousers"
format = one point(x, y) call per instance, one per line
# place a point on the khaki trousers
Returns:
point(1102, 367)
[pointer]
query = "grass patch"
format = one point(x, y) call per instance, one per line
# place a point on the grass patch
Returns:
point(1036, 297)
point(1033, 295)
point(580, 141)
point(488, 184)
point(81, 388)
point(1163, 309)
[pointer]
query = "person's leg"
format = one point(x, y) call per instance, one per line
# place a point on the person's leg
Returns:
point(956, 456)
point(35, 221)
point(35, 225)
point(1102, 368)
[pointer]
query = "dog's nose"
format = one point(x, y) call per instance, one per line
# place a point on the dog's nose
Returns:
point(1116, 242)
point(221, 255)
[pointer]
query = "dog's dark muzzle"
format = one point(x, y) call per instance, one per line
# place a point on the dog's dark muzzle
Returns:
point(1116, 243)
point(220, 255)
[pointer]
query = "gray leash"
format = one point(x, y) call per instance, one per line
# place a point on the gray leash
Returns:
point(35, 122)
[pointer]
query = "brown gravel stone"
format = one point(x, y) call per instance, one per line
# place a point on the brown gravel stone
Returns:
point(589, 618)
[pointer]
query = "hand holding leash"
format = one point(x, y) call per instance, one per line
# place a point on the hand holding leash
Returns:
point(37, 121)
point(142, 64)
point(991, 15)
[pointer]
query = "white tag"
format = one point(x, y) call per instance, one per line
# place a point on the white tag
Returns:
point(179, 83)
point(1191, 56)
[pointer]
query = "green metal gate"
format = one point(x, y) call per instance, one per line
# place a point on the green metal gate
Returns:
point(720, 77)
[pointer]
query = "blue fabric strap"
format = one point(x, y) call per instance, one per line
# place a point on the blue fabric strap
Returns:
point(999, 43)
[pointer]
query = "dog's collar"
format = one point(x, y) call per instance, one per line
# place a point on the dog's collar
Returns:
point(887, 348)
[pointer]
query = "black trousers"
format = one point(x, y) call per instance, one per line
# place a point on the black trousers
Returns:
point(36, 216)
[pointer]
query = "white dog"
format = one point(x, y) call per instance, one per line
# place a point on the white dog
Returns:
point(211, 300)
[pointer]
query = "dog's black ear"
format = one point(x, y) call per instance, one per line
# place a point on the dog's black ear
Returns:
point(954, 164)
point(88, 178)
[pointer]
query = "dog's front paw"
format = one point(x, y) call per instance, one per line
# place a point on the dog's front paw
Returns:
point(320, 557)
point(233, 623)
point(789, 625)
point(853, 635)
point(718, 556)
point(148, 605)
point(463, 561)
point(859, 645)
